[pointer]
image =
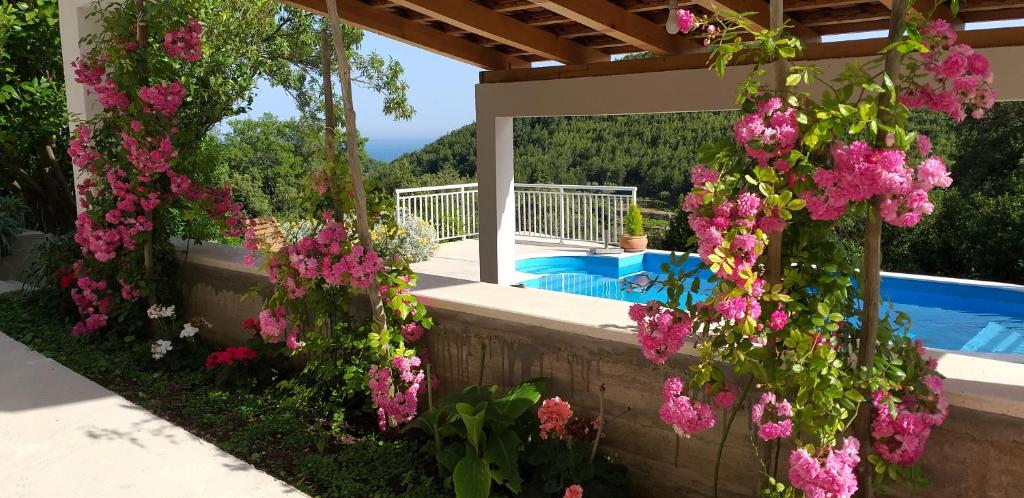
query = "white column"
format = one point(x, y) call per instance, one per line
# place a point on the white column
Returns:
point(494, 172)
point(73, 26)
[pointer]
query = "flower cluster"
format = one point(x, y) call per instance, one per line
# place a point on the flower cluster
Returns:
point(686, 416)
point(396, 399)
point(163, 98)
point(125, 187)
point(730, 232)
point(326, 258)
point(830, 474)
point(553, 414)
point(769, 134)
point(774, 419)
point(661, 330)
point(160, 348)
point(725, 398)
point(959, 83)
point(272, 326)
point(413, 332)
point(185, 43)
point(241, 355)
point(860, 172)
point(93, 299)
point(901, 429)
point(574, 491)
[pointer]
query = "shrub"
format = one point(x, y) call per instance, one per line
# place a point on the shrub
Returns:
point(12, 221)
point(634, 221)
point(414, 239)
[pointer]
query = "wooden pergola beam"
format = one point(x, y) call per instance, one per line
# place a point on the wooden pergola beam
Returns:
point(926, 6)
point(988, 38)
point(361, 15)
point(616, 22)
point(485, 22)
point(760, 18)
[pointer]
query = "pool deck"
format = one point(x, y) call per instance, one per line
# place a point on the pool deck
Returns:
point(460, 259)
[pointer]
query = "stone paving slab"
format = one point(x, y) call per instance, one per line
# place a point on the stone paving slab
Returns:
point(62, 435)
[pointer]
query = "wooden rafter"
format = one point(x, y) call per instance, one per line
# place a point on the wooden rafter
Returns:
point(359, 14)
point(1002, 37)
point(485, 22)
point(926, 6)
point(760, 18)
point(616, 22)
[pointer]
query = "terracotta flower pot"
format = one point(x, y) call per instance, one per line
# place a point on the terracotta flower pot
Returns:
point(631, 243)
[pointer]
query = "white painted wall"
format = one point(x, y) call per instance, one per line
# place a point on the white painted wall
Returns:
point(73, 26)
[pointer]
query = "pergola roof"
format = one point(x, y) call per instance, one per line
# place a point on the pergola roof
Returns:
point(512, 34)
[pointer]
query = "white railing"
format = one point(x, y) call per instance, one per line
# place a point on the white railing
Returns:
point(563, 212)
point(572, 212)
point(451, 209)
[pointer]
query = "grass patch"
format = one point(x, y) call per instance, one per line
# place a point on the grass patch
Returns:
point(279, 429)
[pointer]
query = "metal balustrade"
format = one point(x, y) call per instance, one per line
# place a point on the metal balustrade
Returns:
point(563, 212)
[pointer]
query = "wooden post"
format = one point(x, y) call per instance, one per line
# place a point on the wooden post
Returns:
point(148, 263)
point(872, 272)
point(352, 144)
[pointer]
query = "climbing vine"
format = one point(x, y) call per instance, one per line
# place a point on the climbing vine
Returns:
point(795, 164)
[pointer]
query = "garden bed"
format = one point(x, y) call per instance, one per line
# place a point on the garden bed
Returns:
point(279, 429)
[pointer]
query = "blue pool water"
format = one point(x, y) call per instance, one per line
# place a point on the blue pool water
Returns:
point(947, 315)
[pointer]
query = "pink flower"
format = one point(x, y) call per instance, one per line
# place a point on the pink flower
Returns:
point(574, 491)
point(725, 398)
point(778, 319)
point(661, 331)
point(184, 43)
point(686, 416)
point(924, 145)
point(396, 399)
point(162, 98)
point(685, 20)
point(772, 417)
point(413, 332)
point(829, 474)
point(553, 414)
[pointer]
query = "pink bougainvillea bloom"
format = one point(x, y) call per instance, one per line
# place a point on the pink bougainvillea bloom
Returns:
point(574, 491)
point(725, 398)
point(829, 473)
point(661, 331)
point(553, 414)
point(685, 20)
point(686, 416)
point(413, 332)
point(778, 319)
point(773, 418)
point(396, 399)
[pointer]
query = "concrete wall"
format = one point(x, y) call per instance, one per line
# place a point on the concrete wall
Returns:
point(979, 451)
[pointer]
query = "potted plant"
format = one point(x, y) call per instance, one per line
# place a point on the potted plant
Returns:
point(634, 240)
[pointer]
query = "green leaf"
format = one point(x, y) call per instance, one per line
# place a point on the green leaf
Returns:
point(473, 417)
point(503, 452)
point(472, 478)
point(517, 400)
point(793, 79)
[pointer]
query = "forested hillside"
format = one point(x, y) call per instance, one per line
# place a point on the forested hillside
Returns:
point(653, 152)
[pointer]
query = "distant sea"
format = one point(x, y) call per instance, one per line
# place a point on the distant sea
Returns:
point(388, 149)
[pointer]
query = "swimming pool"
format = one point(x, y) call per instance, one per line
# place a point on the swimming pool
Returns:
point(951, 314)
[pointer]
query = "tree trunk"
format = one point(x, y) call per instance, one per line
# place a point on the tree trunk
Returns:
point(147, 244)
point(352, 145)
point(872, 273)
point(330, 123)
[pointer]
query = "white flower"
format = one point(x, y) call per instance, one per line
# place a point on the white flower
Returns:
point(160, 348)
point(158, 311)
point(188, 330)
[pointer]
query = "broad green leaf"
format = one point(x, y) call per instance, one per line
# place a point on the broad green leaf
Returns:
point(503, 452)
point(472, 477)
point(473, 417)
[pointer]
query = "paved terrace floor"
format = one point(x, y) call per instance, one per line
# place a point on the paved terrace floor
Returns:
point(64, 435)
point(460, 259)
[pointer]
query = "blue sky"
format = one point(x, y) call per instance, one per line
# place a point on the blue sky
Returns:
point(441, 90)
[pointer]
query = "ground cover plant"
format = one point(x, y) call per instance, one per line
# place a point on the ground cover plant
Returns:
point(279, 429)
